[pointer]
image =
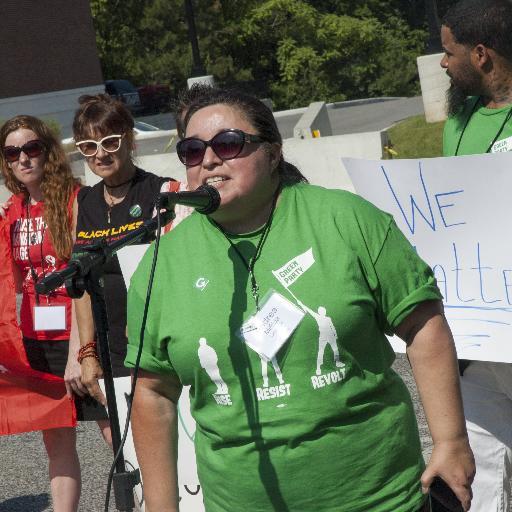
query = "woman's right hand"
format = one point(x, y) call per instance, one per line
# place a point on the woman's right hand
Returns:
point(3, 208)
point(453, 462)
point(73, 378)
point(91, 372)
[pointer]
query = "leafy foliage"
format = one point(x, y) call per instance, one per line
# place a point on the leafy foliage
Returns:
point(295, 51)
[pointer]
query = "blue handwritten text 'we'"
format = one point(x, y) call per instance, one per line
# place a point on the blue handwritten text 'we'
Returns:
point(427, 213)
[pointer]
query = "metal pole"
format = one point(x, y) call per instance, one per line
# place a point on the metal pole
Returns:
point(434, 28)
point(197, 68)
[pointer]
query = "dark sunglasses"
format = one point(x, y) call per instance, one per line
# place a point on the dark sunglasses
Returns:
point(227, 144)
point(32, 148)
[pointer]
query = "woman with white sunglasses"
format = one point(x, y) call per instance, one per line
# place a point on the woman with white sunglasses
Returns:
point(118, 204)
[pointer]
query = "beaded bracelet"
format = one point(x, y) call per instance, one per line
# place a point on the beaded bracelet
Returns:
point(89, 346)
point(81, 357)
point(88, 350)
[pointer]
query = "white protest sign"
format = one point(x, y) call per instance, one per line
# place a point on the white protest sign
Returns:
point(191, 496)
point(456, 212)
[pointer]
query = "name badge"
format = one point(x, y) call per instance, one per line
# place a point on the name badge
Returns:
point(49, 318)
point(502, 146)
point(268, 329)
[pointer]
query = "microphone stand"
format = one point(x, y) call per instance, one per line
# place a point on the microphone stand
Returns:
point(85, 273)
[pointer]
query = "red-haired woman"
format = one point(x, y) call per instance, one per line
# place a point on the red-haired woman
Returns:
point(40, 214)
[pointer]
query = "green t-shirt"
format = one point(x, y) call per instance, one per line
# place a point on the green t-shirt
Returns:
point(327, 425)
point(483, 127)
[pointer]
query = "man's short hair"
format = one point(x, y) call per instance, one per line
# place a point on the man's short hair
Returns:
point(487, 22)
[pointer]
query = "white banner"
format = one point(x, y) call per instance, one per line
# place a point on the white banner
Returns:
point(191, 496)
point(457, 213)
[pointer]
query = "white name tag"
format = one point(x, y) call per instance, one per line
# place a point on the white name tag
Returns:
point(267, 330)
point(502, 146)
point(49, 318)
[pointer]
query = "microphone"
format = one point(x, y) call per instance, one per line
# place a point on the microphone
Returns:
point(205, 199)
point(56, 279)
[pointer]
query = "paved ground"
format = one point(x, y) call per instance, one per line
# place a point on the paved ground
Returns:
point(23, 477)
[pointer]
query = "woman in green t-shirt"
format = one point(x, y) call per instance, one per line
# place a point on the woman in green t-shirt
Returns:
point(274, 309)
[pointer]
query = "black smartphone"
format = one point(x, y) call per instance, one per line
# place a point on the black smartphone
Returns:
point(442, 492)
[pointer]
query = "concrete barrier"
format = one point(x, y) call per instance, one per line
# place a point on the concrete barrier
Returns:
point(314, 122)
point(434, 83)
point(58, 106)
point(320, 159)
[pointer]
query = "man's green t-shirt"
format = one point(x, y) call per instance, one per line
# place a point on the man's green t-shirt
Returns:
point(326, 425)
point(484, 125)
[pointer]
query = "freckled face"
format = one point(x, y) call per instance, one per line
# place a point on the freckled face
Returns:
point(28, 171)
point(246, 183)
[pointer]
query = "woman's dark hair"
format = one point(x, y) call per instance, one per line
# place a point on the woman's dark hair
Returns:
point(257, 113)
point(102, 115)
point(487, 22)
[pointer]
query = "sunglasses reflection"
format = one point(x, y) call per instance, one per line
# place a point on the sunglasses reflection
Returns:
point(32, 148)
point(227, 144)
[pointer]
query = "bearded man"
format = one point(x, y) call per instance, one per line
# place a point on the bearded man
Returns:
point(477, 40)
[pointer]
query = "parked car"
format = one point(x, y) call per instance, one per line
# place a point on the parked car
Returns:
point(141, 126)
point(125, 91)
point(155, 97)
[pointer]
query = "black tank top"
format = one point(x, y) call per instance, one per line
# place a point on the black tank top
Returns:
point(93, 225)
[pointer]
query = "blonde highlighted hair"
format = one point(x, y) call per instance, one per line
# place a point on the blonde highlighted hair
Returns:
point(57, 183)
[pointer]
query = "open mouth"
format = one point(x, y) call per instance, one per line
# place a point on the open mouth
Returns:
point(214, 179)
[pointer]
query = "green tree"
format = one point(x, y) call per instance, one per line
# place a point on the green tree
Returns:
point(325, 56)
point(294, 51)
point(117, 35)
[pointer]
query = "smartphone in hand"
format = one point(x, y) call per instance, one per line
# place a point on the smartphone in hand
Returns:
point(442, 492)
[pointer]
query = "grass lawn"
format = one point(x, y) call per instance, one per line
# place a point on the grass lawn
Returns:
point(415, 138)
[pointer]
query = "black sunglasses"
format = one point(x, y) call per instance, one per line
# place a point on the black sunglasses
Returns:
point(227, 144)
point(32, 148)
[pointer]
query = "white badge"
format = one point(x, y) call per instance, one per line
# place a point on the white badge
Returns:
point(49, 318)
point(502, 146)
point(268, 329)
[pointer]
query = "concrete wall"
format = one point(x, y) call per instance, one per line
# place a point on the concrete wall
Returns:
point(59, 106)
point(314, 122)
point(434, 83)
point(320, 159)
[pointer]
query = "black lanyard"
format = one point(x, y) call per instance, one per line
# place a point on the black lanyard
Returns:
point(33, 272)
point(249, 265)
point(507, 119)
